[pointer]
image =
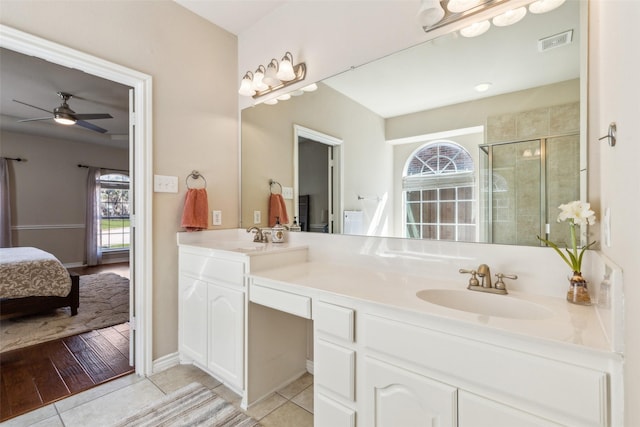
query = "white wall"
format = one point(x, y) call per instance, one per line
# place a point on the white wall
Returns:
point(195, 109)
point(614, 97)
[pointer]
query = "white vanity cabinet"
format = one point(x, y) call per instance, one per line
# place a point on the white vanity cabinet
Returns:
point(398, 397)
point(211, 312)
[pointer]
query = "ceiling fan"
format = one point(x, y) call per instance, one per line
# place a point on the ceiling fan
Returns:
point(64, 115)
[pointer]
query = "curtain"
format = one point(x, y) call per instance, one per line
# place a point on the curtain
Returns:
point(5, 205)
point(92, 227)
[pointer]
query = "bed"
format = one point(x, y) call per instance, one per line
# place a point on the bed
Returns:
point(33, 281)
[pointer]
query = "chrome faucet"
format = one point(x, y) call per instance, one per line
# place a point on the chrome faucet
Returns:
point(259, 235)
point(484, 283)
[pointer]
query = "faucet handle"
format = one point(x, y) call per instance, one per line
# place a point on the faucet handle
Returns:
point(473, 281)
point(500, 283)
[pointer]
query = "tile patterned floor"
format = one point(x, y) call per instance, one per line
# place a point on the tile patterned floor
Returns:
point(105, 404)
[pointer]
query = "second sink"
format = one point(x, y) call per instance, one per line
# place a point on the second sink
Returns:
point(485, 304)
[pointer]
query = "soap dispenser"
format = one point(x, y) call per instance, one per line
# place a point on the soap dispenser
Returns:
point(295, 226)
point(277, 232)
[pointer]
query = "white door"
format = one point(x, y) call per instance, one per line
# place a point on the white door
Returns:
point(397, 397)
point(226, 333)
point(192, 319)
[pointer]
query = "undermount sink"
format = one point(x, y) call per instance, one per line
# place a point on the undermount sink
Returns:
point(485, 304)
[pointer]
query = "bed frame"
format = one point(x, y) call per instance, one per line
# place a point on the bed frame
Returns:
point(31, 305)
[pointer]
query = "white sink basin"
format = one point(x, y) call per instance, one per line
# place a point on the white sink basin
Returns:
point(485, 304)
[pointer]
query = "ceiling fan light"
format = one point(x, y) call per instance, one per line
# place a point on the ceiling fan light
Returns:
point(457, 6)
point(270, 76)
point(246, 88)
point(475, 29)
point(285, 71)
point(510, 17)
point(430, 13)
point(543, 6)
point(64, 119)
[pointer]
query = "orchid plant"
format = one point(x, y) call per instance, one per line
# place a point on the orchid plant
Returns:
point(577, 213)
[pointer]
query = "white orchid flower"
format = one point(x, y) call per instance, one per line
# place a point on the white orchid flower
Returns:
point(579, 212)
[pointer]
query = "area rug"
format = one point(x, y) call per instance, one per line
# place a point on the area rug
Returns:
point(192, 405)
point(104, 301)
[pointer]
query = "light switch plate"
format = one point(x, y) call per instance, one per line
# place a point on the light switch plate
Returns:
point(217, 217)
point(287, 192)
point(165, 184)
point(257, 217)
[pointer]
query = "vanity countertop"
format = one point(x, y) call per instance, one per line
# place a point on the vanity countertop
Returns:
point(567, 324)
point(241, 248)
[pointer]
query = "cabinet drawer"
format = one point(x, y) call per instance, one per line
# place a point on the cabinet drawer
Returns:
point(330, 413)
point(335, 369)
point(295, 304)
point(335, 320)
point(212, 269)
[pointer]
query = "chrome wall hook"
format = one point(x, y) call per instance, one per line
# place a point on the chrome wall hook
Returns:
point(611, 135)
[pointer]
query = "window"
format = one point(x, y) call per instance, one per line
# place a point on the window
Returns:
point(114, 212)
point(438, 188)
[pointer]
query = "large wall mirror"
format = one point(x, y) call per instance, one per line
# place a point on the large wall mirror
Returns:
point(466, 139)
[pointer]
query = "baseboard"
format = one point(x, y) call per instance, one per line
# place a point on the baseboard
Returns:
point(310, 366)
point(166, 362)
point(73, 264)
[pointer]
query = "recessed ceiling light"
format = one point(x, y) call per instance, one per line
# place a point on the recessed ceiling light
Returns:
point(482, 87)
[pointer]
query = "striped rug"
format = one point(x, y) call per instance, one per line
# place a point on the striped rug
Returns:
point(192, 405)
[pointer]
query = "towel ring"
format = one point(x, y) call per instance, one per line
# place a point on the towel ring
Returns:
point(195, 175)
point(271, 182)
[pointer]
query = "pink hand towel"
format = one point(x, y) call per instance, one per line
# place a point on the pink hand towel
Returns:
point(195, 215)
point(277, 209)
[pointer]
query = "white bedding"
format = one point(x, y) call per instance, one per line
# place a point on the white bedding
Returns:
point(26, 272)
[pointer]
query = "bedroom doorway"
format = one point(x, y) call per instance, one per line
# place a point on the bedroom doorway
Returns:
point(140, 165)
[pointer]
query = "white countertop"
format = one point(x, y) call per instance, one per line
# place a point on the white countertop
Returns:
point(566, 323)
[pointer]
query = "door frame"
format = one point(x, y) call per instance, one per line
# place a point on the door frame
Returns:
point(141, 162)
point(336, 192)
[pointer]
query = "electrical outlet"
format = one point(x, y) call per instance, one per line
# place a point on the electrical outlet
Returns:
point(217, 217)
point(257, 217)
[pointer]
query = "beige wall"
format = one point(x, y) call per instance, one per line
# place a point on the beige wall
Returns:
point(195, 109)
point(267, 151)
point(48, 190)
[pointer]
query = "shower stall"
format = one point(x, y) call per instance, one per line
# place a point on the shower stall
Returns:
point(522, 183)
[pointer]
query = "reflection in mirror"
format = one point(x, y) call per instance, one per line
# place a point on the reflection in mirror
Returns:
point(422, 154)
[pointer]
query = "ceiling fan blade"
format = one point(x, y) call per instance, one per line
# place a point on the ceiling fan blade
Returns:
point(33, 120)
point(32, 106)
point(92, 116)
point(91, 126)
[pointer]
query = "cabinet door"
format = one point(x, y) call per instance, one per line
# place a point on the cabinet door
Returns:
point(226, 333)
point(397, 397)
point(192, 330)
point(476, 411)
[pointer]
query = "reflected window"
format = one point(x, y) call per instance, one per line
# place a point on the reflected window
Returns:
point(438, 190)
point(115, 224)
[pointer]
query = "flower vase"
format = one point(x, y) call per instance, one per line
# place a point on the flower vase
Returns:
point(578, 292)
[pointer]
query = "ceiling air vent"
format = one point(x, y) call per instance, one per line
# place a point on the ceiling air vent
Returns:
point(556, 40)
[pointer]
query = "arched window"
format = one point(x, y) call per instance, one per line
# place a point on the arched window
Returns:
point(439, 197)
point(114, 212)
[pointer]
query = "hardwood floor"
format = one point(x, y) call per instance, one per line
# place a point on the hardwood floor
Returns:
point(35, 376)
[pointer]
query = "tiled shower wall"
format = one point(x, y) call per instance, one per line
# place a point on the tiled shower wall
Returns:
point(518, 159)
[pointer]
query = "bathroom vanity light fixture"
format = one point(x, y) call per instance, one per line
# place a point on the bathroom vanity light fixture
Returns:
point(435, 14)
point(274, 77)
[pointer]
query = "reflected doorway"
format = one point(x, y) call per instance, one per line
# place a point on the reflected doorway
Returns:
point(317, 195)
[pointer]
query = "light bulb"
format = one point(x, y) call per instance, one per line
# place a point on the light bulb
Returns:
point(270, 76)
point(246, 85)
point(475, 29)
point(543, 6)
point(285, 71)
point(257, 84)
point(510, 17)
